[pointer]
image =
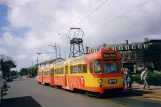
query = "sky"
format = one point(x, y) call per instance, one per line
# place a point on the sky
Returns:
point(29, 26)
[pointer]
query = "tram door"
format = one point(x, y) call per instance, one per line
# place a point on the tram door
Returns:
point(42, 77)
point(66, 77)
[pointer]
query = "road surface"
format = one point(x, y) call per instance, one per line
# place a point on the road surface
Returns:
point(28, 93)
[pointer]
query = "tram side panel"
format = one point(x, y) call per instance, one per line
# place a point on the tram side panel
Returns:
point(59, 77)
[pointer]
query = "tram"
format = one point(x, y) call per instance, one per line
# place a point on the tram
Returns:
point(97, 72)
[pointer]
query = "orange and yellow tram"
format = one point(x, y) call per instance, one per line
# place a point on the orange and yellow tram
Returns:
point(96, 72)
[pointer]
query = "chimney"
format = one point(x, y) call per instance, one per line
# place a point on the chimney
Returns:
point(104, 45)
point(146, 40)
point(127, 42)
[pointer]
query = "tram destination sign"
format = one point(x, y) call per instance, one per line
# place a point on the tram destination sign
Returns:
point(109, 55)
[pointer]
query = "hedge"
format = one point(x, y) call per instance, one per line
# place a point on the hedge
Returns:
point(153, 78)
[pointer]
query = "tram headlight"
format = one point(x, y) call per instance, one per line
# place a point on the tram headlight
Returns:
point(122, 79)
point(100, 81)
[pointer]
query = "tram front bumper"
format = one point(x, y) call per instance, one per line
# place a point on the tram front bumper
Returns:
point(103, 90)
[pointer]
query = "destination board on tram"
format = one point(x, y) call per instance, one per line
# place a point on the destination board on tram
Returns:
point(109, 55)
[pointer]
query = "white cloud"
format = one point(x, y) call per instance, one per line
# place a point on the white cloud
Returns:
point(21, 57)
point(45, 19)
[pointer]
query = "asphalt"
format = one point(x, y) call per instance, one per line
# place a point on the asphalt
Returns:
point(28, 93)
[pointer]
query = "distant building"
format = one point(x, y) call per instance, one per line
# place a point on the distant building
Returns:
point(47, 63)
point(131, 53)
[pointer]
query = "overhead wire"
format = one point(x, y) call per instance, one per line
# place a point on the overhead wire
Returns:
point(125, 13)
point(92, 12)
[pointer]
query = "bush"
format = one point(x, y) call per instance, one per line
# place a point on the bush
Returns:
point(136, 77)
point(153, 78)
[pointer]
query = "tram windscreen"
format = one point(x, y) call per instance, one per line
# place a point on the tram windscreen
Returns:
point(109, 55)
point(111, 67)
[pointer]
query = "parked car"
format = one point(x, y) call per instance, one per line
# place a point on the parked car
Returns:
point(27, 76)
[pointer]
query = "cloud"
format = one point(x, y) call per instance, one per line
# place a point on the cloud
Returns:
point(45, 19)
point(21, 56)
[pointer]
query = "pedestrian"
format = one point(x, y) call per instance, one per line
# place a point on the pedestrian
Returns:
point(127, 78)
point(144, 78)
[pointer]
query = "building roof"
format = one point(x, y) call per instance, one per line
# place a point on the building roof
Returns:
point(132, 43)
point(50, 61)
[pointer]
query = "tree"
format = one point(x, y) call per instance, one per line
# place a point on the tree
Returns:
point(6, 67)
point(13, 73)
point(152, 54)
point(34, 71)
point(23, 71)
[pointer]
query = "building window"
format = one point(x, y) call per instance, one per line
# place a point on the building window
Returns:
point(88, 50)
point(127, 47)
point(114, 48)
point(145, 46)
point(133, 47)
point(140, 46)
point(120, 47)
point(92, 50)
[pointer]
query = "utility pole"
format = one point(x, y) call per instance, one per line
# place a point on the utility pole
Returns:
point(38, 56)
point(65, 54)
point(67, 37)
point(32, 63)
point(55, 47)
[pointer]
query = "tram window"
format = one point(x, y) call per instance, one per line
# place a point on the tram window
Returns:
point(75, 69)
point(91, 67)
point(55, 72)
point(79, 69)
point(63, 70)
point(84, 68)
point(97, 66)
point(110, 67)
point(71, 69)
point(52, 72)
point(58, 70)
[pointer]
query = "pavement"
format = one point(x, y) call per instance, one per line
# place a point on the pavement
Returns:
point(28, 93)
point(153, 93)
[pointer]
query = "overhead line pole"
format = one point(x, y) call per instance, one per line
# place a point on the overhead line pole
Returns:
point(55, 47)
point(66, 41)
